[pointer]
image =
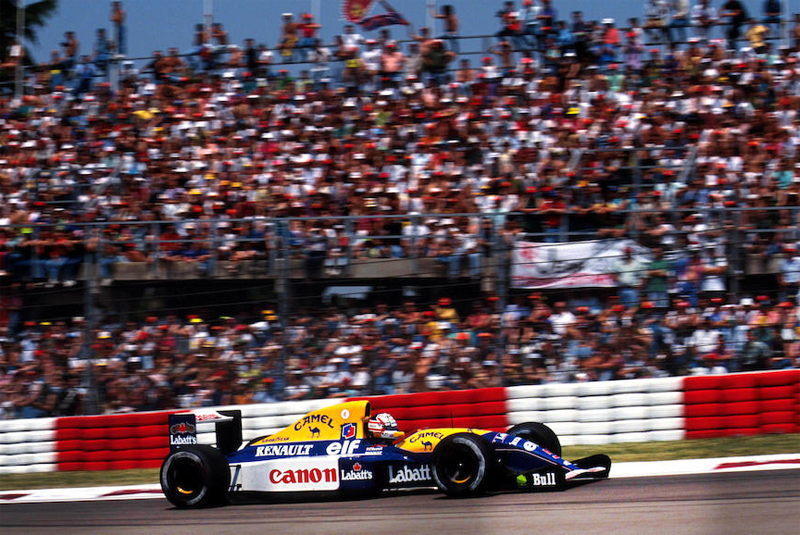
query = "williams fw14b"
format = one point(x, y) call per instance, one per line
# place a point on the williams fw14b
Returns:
point(343, 450)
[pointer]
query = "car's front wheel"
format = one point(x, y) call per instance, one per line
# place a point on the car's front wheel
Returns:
point(538, 433)
point(462, 465)
point(195, 476)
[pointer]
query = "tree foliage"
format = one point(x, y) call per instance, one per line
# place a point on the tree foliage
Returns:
point(36, 14)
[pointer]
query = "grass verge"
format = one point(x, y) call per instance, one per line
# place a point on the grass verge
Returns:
point(648, 451)
point(55, 480)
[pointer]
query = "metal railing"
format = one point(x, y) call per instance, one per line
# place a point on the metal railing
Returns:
point(113, 63)
point(410, 238)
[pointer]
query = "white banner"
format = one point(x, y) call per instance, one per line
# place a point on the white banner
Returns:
point(570, 265)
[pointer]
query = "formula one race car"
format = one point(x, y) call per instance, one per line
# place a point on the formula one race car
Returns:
point(341, 450)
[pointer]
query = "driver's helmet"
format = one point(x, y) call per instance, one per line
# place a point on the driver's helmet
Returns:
point(384, 427)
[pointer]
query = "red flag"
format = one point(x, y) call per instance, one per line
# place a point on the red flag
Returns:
point(355, 10)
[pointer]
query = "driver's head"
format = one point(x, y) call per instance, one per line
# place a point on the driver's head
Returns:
point(383, 427)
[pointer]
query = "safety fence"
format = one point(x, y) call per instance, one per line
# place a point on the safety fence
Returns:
point(486, 408)
point(742, 404)
point(641, 410)
point(638, 410)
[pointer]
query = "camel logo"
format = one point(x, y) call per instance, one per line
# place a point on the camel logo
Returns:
point(430, 435)
point(317, 420)
point(314, 432)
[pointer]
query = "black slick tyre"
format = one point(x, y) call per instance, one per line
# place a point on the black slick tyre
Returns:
point(195, 476)
point(538, 433)
point(462, 465)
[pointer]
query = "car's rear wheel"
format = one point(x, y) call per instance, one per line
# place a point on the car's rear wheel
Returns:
point(462, 465)
point(538, 433)
point(195, 476)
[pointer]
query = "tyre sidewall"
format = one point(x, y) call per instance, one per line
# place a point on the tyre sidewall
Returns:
point(481, 454)
point(168, 486)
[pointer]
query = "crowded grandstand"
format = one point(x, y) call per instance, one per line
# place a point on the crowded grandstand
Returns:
point(292, 220)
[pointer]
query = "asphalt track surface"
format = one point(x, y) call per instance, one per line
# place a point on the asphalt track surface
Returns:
point(742, 502)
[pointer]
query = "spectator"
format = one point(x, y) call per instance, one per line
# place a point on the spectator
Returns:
point(14, 56)
point(201, 46)
point(628, 273)
point(611, 41)
point(511, 26)
point(530, 24)
point(219, 36)
point(633, 50)
point(102, 51)
point(448, 16)
point(392, 61)
point(561, 319)
point(467, 247)
point(703, 341)
point(219, 43)
point(117, 18)
point(55, 70)
point(796, 32)
point(435, 62)
point(250, 54)
point(266, 58)
point(19, 255)
point(772, 15)
point(296, 389)
point(288, 38)
point(308, 34)
point(580, 37)
point(70, 48)
point(657, 274)
point(547, 21)
point(789, 276)
point(754, 355)
point(194, 250)
point(679, 21)
point(85, 72)
point(719, 360)
point(734, 15)
point(714, 267)
point(415, 238)
point(52, 251)
point(352, 40)
point(563, 38)
point(316, 244)
point(704, 17)
point(372, 60)
point(656, 20)
point(757, 34)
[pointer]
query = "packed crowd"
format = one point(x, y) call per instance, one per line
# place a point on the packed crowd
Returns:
point(576, 141)
point(497, 139)
point(537, 140)
point(167, 362)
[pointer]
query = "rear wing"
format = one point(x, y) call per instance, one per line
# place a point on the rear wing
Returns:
point(227, 426)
